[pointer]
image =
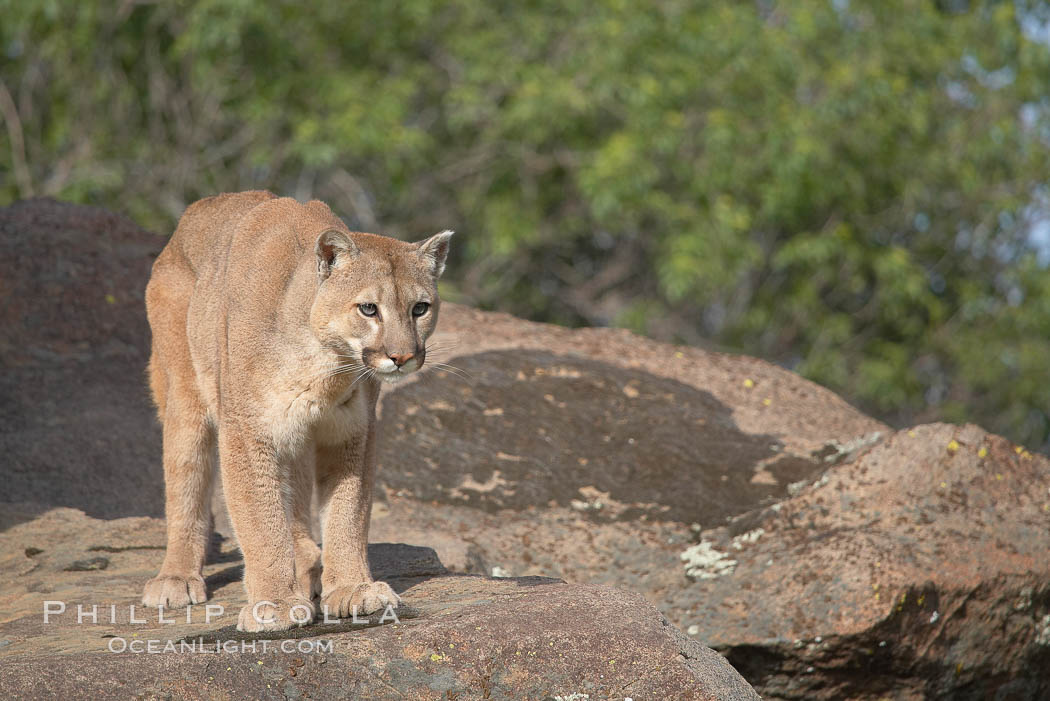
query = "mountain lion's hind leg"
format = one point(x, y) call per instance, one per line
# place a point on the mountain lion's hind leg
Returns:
point(307, 554)
point(189, 441)
point(188, 445)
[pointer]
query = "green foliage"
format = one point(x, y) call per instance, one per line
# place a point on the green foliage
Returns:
point(843, 187)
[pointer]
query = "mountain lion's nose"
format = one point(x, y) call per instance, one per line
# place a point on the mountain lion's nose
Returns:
point(401, 358)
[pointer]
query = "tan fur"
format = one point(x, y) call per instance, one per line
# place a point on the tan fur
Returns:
point(261, 349)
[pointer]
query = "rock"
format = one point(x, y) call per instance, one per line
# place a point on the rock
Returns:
point(535, 428)
point(918, 570)
point(468, 637)
point(76, 426)
point(753, 508)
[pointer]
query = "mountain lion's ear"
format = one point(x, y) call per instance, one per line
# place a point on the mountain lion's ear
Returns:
point(435, 250)
point(332, 247)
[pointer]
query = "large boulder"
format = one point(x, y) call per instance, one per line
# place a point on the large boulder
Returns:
point(919, 570)
point(76, 428)
point(455, 637)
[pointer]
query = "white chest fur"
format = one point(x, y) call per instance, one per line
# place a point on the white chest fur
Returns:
point(343, 419)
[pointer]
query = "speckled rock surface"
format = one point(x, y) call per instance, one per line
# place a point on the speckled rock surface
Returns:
point(460, 637)
point(75, 423)
point(920, 570)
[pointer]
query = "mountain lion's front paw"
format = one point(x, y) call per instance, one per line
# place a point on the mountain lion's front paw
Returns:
point(174, 592)
point(367, 597)
point(276, 615)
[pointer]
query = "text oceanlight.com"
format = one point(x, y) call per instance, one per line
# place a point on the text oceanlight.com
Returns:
point(216, 647)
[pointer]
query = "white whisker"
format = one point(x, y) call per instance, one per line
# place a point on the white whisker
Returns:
point(341, 369)
point(369, 372)
point(440, 347)
point(452, 369)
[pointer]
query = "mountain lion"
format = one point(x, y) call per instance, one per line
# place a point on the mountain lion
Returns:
point(273, 326)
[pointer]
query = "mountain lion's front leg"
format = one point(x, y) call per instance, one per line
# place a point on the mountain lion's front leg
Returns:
point(345, 477)
point(256, 492)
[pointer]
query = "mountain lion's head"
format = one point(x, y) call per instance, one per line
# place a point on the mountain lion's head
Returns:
point(376, 300)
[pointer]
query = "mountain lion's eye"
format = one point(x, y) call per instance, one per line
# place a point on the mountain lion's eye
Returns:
point(368, 309)
point(420, 309)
